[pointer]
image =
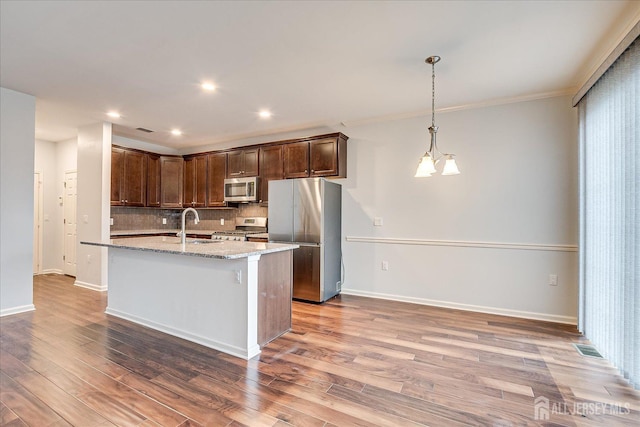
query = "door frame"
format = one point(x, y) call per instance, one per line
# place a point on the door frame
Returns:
point(64, 230)
point(38, 210)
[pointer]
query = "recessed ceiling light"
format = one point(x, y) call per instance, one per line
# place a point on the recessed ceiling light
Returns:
point(208, 86)
point(265, 114)
point(113, 114)
point(176, 132)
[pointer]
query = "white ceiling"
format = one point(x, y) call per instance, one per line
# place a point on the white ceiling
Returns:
point(312, 64)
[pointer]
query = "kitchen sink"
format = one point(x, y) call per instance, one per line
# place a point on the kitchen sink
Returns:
point(202, 241)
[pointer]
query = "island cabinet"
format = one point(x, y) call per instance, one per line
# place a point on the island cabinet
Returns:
point(153, 180)
point(271, 168)
point(128, 177)
point(234, 297)
point(195, 181)
point(242, 162)
point(171, 175)
point(216, 173)
point(325, 156)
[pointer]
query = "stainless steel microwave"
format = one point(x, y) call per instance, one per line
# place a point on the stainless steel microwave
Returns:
point(241, 189)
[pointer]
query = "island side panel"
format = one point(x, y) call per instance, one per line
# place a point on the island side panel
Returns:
point(191, 297)
point(275, 282)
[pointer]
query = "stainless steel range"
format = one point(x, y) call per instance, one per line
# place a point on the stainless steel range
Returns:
point(244, 227)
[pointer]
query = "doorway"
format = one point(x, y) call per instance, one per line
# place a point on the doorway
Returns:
point(70, 223)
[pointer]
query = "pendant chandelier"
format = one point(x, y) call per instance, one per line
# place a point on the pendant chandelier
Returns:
point(432, 157)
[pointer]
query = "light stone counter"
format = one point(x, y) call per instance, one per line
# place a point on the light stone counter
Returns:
point(221, 249)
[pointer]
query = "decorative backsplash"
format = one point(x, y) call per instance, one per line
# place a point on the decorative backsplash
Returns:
point(130, 218)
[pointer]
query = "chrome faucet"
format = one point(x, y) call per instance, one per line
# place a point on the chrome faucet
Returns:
point(183, 234)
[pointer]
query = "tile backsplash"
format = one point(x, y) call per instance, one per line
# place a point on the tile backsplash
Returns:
point(130, 218)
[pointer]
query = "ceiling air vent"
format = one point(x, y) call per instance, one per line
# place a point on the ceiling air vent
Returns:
point(587, 350)
point(144, 130)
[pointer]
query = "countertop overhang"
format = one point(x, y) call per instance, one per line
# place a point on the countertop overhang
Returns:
point(219, 249)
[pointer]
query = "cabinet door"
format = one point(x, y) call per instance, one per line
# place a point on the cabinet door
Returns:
point(216, 173)
point(135, 178)
point(195, 181)
point(242, 163)
point(271, 168)
point(323, 157)
point(117, 176)
point(251, 163)
point(153, 180)
point(171, 170)
point(235, 163)
point(296, 160)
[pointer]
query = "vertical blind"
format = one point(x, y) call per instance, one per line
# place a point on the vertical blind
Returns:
point(609, 120)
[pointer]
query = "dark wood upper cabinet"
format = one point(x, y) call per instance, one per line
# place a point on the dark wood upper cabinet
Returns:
point(117, 176)
point(195, 181)
point(296, 160)
point(271, 168)
point(216, 173)
point(139, 178)
point(128, 177)
point(242, 162)
point(153, 180)
point(324, 157)
point(315, 157)
point(171, 175)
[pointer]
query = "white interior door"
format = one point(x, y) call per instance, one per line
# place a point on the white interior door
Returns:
point(70, 223)
point(37, 223)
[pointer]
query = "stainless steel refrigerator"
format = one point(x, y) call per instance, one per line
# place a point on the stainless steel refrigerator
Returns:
point(308, 212)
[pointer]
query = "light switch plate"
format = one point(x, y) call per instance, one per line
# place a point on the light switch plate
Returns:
point(377, 221)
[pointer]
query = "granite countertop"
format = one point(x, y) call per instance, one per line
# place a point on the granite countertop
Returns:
point(117, 233)
point(207, 248)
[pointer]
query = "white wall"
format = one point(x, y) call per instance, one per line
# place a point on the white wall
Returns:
point(17, 141)
point(142, 145)
point(518, 186)
point(94, 179)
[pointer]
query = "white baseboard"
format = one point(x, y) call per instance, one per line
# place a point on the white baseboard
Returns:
point(216, 345)
point(569, 320)
point(50, 271)
point(92, 286)
point(16, 310)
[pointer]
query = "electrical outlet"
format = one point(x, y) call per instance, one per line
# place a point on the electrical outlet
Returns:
point(377, 221)
point(553, 280)
point(238, 276)
point(164, 221)
point(221, 221)
point(385, 265)
point(110, 221)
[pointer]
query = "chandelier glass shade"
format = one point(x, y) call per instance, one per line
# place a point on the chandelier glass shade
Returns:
point(433, 156)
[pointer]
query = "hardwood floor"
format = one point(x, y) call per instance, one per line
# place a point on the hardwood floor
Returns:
point(350, 362)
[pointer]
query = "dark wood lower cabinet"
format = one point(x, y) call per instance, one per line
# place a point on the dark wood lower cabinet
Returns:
point(275, 275)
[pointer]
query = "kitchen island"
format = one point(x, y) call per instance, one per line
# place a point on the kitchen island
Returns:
point(231, 296)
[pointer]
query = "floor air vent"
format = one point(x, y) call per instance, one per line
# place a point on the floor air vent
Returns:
point(587, 350)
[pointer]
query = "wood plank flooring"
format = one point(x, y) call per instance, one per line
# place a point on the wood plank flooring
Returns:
point(350, 362)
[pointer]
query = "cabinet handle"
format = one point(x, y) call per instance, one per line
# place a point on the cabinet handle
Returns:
point(306, 170)
point(312, 171)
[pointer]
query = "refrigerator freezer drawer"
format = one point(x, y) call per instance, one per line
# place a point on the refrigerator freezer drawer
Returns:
point(306, 274)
